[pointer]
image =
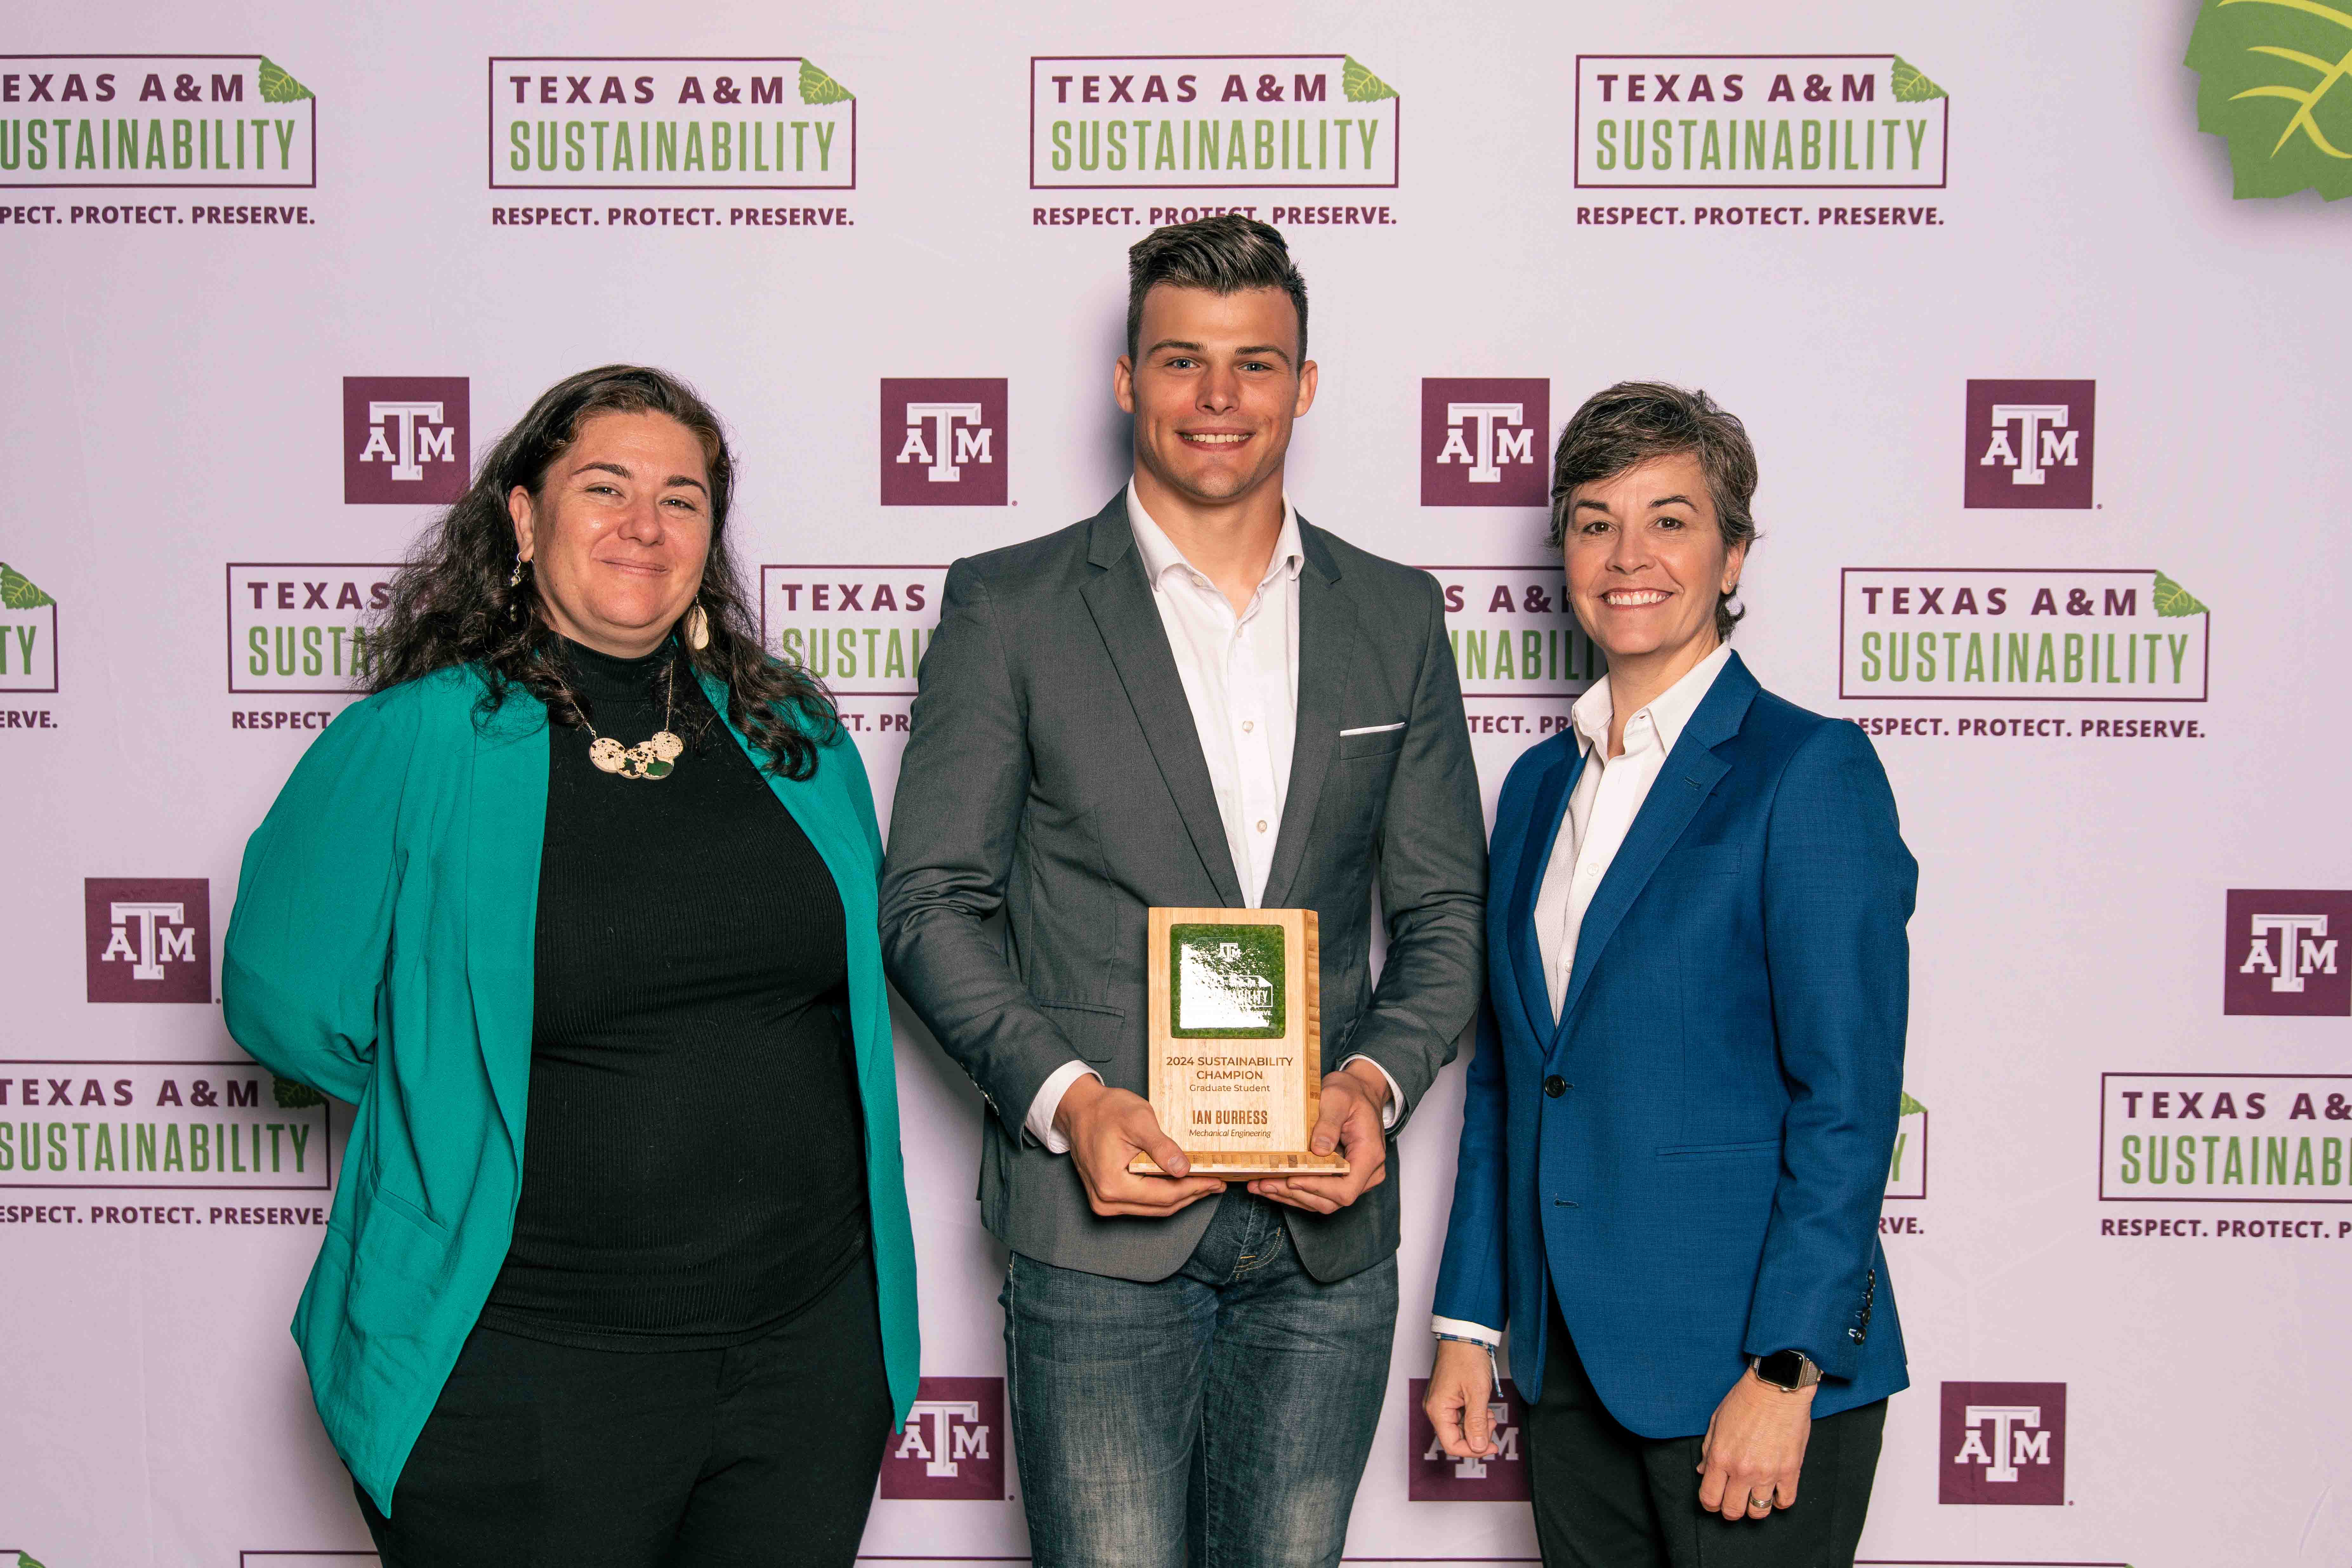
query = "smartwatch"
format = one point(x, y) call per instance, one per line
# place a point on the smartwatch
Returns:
point(1787, 1371)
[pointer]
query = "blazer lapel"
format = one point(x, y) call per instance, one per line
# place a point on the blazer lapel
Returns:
point(1689, 775)
point(506, 834)
point(1120, 601)
point(1545, 814)
point(1326, 654)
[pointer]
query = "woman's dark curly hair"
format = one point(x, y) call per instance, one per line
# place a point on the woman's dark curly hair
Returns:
point(451, 604)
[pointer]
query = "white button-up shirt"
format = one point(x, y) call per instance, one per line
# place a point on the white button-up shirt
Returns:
point(1241, 679)
point(1601, 811)
point(1240, 673)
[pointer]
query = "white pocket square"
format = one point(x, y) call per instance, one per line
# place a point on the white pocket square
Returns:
point(1373, 730)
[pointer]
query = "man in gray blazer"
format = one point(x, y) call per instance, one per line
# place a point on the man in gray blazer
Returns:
point(1194, 698)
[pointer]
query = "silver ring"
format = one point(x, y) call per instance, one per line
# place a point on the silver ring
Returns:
point(1755, 1503)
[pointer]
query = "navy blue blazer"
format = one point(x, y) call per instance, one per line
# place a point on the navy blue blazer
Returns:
point(1699, 1146)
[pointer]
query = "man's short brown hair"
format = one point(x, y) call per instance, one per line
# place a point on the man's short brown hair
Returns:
point(1224, 255)
point(1634, 421)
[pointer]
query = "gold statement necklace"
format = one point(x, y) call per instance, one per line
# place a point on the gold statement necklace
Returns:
point(654, 758)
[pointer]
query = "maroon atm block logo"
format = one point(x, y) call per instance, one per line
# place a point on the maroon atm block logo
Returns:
point(1484, 441)
point(407, 440)
point(2029, 444)
point(149, 939)
point(2283, 955)
point(2003, 1443)
point(944, 442)
point(953, 1447)
point(1433, 1475)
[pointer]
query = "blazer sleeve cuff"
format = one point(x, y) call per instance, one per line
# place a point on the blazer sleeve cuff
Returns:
point(1462, 1329)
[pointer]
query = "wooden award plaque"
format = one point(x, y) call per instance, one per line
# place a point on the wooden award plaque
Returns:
point(1235, 1047)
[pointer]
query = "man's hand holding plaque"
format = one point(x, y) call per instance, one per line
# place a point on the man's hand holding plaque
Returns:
point(1234, 1056)
point(1351, 1121)
point(1111, 1128)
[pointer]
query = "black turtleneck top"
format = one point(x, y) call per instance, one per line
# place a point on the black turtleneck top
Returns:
point(693, 1159)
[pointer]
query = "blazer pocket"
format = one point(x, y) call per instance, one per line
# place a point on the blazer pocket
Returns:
point(1378, 740)
point(409, 1209)
point(1094, 1032)
point(1703, 860)
point(1720, 1150)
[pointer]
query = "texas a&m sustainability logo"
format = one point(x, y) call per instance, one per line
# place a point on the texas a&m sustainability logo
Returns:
point(406, 439)
point(28, 634)
point(943, 442)
point(2003, 1443)
point(1485, 442)
point(1757, 122)
point(2225, 1138)
point(1193, 122)
point(663, 123)
point(148, 1125)
point(2029, 444)
point(192, 120)
point(303, 626)
point(1953, 633)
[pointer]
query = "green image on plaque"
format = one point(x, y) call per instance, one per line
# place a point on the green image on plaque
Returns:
point(1225, 982)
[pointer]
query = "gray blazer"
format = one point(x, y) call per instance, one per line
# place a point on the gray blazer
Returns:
point(1053, 775)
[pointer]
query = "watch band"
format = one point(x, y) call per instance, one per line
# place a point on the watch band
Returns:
point(1787, 1371)
point(1494, 1365)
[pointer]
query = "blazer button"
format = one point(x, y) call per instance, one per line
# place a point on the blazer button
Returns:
point(1555, 1086)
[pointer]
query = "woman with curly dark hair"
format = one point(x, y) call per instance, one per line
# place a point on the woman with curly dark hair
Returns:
point(589, 863)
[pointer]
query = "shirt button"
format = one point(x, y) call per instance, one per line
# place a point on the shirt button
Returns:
point(1261, 825)
point(1555, 1086)
point(1247, 725)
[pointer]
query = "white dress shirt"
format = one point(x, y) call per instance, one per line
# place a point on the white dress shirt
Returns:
point(1601, 811)
point(1240, 674)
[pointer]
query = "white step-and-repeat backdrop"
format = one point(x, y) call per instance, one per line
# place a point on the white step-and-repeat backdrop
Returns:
point(2036, 313)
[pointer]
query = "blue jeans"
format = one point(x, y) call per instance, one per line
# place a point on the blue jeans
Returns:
point(1217, 1418)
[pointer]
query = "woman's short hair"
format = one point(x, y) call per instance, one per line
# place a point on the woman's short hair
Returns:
point(1632, 422)
point(456, 603)
point(1224, 255)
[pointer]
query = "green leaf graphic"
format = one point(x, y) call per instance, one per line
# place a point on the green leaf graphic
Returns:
point(2173, 600)
point(17, 590)
point(1361, 85)
point(818, 88)
point(1910, 1106)
point(293, 1096)
point(276, 87)
point(26, 1560)
point(1911, 83)
point(2271, 71)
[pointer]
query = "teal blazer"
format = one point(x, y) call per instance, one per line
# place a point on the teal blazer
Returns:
point(381, 951)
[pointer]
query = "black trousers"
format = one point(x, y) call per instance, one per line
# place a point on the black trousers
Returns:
point(1606, 1498)
point(760, 1456)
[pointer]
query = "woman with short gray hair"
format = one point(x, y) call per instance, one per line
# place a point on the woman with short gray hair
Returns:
point(1683, 1102)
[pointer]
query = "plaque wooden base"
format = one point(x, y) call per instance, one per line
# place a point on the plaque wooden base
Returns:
point(1235, 1050)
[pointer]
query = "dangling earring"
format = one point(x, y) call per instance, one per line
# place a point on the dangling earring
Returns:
point(514, 578)
point(698, 629)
